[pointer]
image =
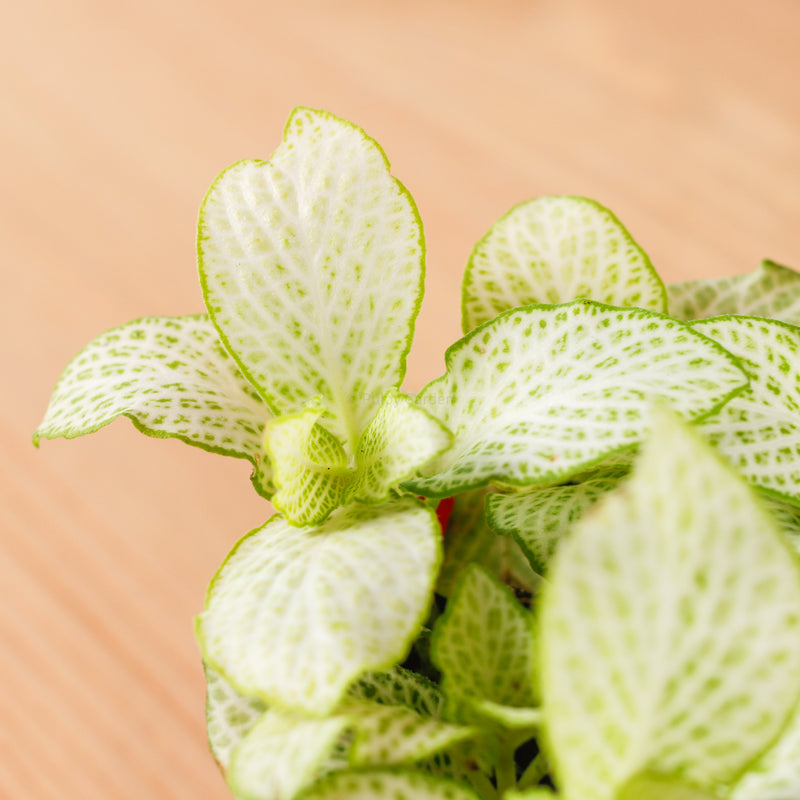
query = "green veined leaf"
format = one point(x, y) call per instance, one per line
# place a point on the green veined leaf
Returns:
point(537, 520)
point(389, 735)
point(543, 392)
point(759, 431)
point(229, 716)
point(387, 785)
point(400, 440)
point(283, 754)
point(173, 378)
point(553, 250)
point(312, 267)
point(399, 719)
point(482, 645)
point(670, 629)
point(399, 686)
point(296, 614)
point(770, 291)
point(311, 472)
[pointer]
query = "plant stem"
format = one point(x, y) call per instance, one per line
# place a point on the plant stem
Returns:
point(506, 769)
point(483, 786)
point(534, 772)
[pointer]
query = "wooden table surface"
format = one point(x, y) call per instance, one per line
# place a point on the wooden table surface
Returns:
point(683, 117)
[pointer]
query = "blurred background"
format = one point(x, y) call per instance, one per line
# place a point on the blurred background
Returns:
point(682, 117)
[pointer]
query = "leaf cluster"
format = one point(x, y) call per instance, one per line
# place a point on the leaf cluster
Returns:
point(612, 609)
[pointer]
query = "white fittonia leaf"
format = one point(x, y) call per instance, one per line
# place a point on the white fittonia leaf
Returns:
point(229, 716)
point(770, 291)
point(173, 378)
point(283, 754)
point(310, 466)
point(312, 266)
point(759, 430)
point(538, 519)
point(542, 392)
point(387, 785)
point(776, 775)
point(553, 250)
point(482, 644)
point(397, 717)
point(399, 686)
point(388, 735)
point(294, 615)
point(400, 440)
point(670, 631)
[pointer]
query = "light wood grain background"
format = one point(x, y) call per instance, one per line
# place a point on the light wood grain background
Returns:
point(683, 117)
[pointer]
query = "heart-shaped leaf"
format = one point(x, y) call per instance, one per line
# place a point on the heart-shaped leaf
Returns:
point(770, 291)
point(553, 250)
point(670, 629)
point(173, 378)
point(296, 614)
point(543, 392)
point(482, 645)
point(312, 266)
point(759, 430)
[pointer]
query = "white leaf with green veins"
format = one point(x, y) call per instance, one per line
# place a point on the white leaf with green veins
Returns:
point(173, 378)
point(310, 467)
point(312, 265)
point(482, 645)
point(669, 633)
point(543, 392)
point(399, 686)
point(553, 250)
point(401, 439)
point(229, 716)
point(389, 735)
point(770, 291)
point(398, 719)
point(294, 615)
point(537, 520)
point(283, 754)
point(759, 430)
point(387, 785)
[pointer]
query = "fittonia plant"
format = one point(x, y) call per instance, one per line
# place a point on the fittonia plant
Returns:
point(603, 620)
